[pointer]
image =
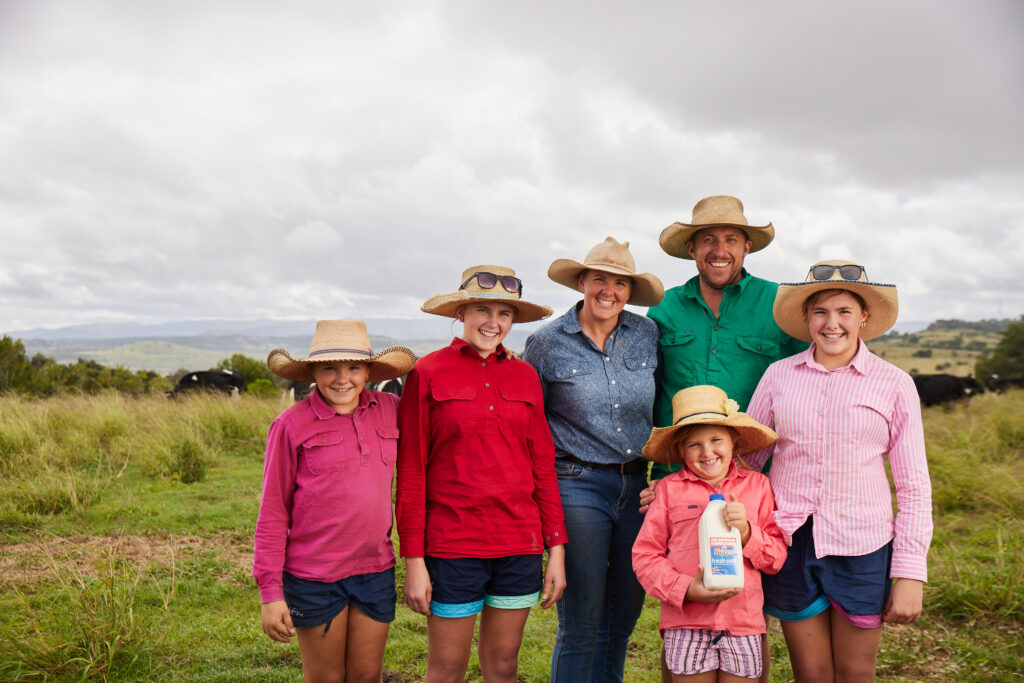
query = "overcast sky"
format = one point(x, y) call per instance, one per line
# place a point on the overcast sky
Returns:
point(164, 161)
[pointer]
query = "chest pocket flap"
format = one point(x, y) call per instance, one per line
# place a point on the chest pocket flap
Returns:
point(452, 392)
point(641, 362)
point(570, 370)
point(759, 345)
point(322, 440)
point(676, 338)
point(513, 391)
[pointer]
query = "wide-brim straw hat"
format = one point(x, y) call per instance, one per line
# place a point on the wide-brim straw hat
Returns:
point(339, 341)
point(707, 405)
point(880, 298)
point(712, 212)
point(613, 257)
point(470, 291)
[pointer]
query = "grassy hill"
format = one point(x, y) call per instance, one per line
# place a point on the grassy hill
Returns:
point(939, 348)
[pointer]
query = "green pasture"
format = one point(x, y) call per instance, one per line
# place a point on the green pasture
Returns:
point(126, 538)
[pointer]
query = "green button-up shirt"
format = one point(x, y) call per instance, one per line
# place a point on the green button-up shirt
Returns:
point(731, 351)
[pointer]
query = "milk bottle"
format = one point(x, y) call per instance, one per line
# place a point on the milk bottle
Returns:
point(721, 551)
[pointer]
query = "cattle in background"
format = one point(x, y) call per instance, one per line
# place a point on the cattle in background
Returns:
point(392, 386)
point(999, 384)
point(299, 390)
point(937, 389)
point(230, 382)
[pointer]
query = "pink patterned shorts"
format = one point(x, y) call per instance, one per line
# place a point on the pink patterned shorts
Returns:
point(698, 650)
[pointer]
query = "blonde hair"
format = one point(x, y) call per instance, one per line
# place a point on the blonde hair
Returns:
point(676, 450)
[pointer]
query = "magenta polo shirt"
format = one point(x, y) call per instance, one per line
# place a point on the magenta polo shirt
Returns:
point(325, 513)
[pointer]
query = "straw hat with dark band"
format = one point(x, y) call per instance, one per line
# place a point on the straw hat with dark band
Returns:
point(707, 405)
point(340, 341)
point(611, 257)
point(712, 212)
point(471, 291)
point(881, 301)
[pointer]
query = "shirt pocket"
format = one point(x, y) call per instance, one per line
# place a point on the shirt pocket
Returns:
point(673, 339)
point(571, 372)
point(452, 392)
point(767, 348)
point(324, 453)
point(641, 362)
point(684, 522)
point(387, 437)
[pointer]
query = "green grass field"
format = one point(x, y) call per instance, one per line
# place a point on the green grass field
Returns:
point(126, 539)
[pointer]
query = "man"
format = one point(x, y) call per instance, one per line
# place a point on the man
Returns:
point(718, 327)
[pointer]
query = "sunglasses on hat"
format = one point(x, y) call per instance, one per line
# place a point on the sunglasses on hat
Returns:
point(824, 272)
point(512, 285)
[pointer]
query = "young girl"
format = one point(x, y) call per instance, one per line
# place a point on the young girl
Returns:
point(710, 635)
point(477, 496)
point(840, 412)
point(323, 557)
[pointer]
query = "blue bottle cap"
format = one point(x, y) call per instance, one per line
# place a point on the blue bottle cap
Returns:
point(716, 496)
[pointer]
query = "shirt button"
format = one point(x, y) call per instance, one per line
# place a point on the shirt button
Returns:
point(616, 405)
point(628, 451)
point(574, 371)
point(556, 535)
point(487, 384)
point(716, 328)
point(714, 350)
point(618, 429)
point(643, 365)
point(490, 407)
point(613, 381)
point(606, 359)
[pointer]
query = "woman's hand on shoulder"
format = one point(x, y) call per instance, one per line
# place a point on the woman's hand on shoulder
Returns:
point(905, 603)
point(648, 495)
point(276, 621)
point(554, 577)
point(417, 590)
point(698, 592)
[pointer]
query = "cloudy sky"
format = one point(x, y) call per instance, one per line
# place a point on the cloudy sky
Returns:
point(242, 160)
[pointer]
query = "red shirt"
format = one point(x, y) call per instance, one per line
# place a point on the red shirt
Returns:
point(325, 513)
point(476, 464)
point(665, 555)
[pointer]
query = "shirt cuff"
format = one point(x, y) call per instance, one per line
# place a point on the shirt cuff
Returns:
point(908, 566)
point(271, 593)
point(555, 536)
point(677, 595)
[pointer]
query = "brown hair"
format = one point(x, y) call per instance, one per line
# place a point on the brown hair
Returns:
point(825, 294)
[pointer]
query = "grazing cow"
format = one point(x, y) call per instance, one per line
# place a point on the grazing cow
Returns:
point(299, 390)
point(1000, 384)
point(229, 382)
point(392, 386)
point(936, 389)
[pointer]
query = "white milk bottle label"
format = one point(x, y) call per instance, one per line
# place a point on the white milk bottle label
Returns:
point(721, 551)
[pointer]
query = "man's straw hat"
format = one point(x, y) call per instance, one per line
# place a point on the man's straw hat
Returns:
point(707, 405)
point(611, 257)
point(339, 341)
point(711, 212)
point(471, 291)
point(881, 301)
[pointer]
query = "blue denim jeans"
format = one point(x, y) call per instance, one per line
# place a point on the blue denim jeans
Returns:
point(602, 598)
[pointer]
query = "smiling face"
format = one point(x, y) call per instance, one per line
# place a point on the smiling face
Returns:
point(707, 451)
point(833, 319)
point(719, 253)
point(604, 294)
point(485, 325)
point(341, 382)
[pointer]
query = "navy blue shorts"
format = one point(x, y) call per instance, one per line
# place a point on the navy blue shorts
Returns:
point(463, 585)
point(807, 585)
point(315, 603)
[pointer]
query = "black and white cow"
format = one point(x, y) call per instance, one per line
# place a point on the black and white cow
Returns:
point(229, 382)
point(937, 389)
point(999, 384)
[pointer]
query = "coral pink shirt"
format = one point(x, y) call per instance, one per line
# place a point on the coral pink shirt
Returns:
point(665, 554)
point(476, 464)
point(325, 513)
point(836, 430)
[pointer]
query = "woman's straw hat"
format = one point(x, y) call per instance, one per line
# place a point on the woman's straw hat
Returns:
point(342, 340)
point(471, 291)
point(880, 299)
point(611, 257)
point(711, 212)
point(707, 405)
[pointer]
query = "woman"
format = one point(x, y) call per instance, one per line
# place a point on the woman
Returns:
point(841, 412)
point(477, 496)
point(596, 364)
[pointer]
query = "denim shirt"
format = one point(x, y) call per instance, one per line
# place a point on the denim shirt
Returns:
point(599, 403)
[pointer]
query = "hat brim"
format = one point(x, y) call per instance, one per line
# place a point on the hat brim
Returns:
point(881, 300)
point(391, 363)
point(647, 289)
point(447, 305)
point(675, 239)
point(753, 436)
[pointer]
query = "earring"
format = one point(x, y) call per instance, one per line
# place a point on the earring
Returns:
point(864, 324)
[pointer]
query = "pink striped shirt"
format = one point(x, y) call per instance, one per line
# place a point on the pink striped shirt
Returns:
point(835, 430)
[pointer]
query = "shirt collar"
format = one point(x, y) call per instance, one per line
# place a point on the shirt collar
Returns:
point(462, 347)
point(325, 412)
